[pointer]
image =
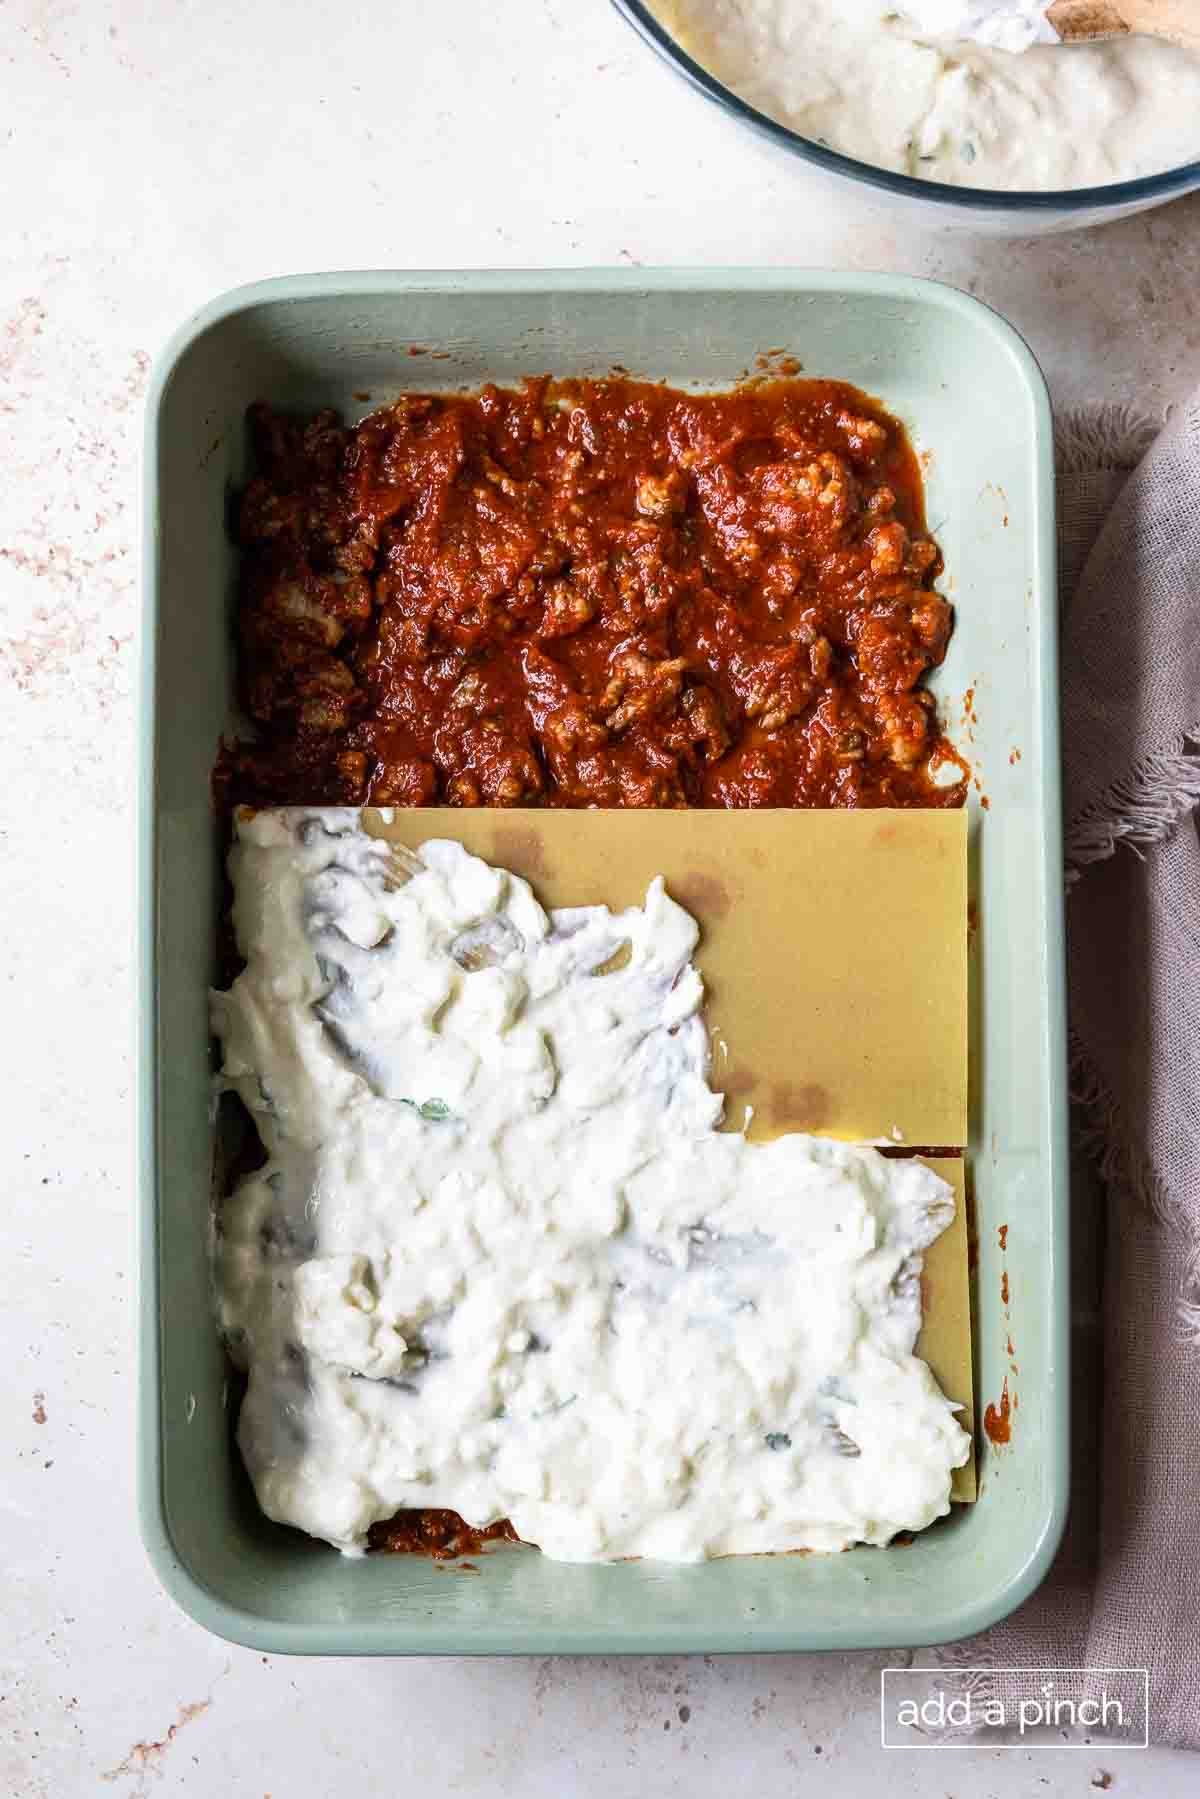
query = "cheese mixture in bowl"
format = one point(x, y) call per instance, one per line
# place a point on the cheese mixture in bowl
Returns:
point(500, 1259)
point(970, 92)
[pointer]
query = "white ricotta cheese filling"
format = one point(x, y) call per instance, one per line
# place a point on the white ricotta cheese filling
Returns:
point(500, 1259)
point(898, 87)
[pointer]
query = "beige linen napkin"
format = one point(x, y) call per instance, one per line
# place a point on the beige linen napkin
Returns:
point(1124, 1591)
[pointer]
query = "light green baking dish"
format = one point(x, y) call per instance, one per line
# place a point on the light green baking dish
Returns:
point(974, 400)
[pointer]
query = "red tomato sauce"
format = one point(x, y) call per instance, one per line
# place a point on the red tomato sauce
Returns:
point(590, 593)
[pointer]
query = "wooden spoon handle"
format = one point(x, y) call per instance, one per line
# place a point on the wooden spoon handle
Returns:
point(1076, 21)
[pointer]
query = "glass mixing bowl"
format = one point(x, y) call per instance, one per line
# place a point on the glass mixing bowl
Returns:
point(939, 205)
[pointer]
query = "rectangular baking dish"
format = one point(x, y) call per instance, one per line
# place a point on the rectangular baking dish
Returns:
point(975, 403)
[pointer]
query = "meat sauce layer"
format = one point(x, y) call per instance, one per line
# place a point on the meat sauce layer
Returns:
point(590, 593)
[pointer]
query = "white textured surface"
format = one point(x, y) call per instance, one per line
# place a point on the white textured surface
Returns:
point(152, 156)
